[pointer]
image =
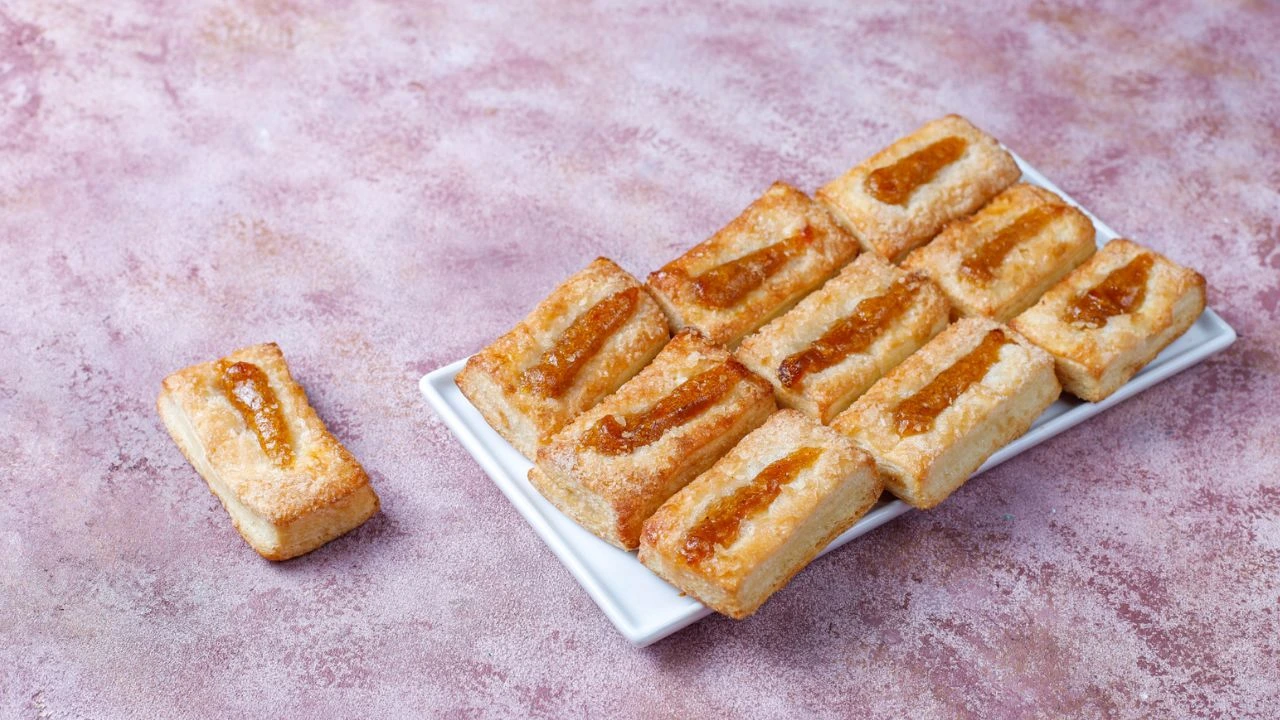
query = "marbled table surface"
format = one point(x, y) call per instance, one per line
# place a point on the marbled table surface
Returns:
point(383, 187)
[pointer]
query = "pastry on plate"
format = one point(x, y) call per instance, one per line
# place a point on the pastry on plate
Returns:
point(247, 428)
point(903, 195)
point(1112, 315)
point(741, 530)
point(827, 350)
point(998, 262)
point(934, 419)
point(616, 463)
point(593, 333)
point(779, 249)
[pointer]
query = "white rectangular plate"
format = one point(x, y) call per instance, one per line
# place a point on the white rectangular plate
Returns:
point(644, 607)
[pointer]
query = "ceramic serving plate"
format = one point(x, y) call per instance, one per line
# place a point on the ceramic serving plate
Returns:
point(644, 607)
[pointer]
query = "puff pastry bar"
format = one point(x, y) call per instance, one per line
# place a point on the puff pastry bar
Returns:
point(903, 195)
point(737, 534)
point(615, 464)
point(594, 332)
point(934, 419)
point(827, 350)
point(999, 262)
point(1111, 316)
point(247, 428)
point(779, 249)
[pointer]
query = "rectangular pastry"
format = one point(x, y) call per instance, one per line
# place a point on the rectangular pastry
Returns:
point(616, 463)
point(827, 350)
point(740, 531)
point(934, 419)
point(1112, 315)
point(779, 249)
point(903, 195)
point(999, 261)
point(590, 335)
point(247, 428)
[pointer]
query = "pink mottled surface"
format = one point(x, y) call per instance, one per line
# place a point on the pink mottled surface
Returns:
point(382, 187)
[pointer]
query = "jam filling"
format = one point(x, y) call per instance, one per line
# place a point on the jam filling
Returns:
point(722, 523)
point(1121, 292)
point(988, 257)
point(727, 284)
point(584, 337)
point(916, 414)
point(893, 184)
point(250, 393)
point(612, 436)
point(853, 334)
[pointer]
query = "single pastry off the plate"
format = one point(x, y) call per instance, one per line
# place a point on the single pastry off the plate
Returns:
point(903, 195)
point(778, 250)
point(998, 262)
point(247, 428)
point(616, 463)
point(741, 530)
point(833, 345)
point(593, 333)
point(1112, 315)
point(933, 420)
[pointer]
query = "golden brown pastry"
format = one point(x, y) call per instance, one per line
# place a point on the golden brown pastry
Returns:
point(740, 531)
point(998, 262)
point(616, 463)
point(247, 428)
point(779, 249)
point(904, 194)
point(934, 419)
point(827, 350)
point(594, 332)
point(1111, 316)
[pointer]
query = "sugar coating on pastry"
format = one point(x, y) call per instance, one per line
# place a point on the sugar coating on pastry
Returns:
point(616, 463)
point(903, 195)
point(779, 249)
point(740, 531)
point(1112, 315)
point(934, 419)
point(590, 335)
point(248, 429)
point(999, 261)
point(827, 350)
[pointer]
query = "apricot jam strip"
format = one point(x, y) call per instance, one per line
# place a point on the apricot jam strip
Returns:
point(611, 436)
point(725, 285)
point(723, 521)
point(893, 184)
point(584, 337)
point(853, 334)
point(1120, 292)
point(250, 393)
point(916, 414)
point(982, 264)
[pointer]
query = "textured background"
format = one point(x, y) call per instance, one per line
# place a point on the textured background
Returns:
point(382, 187)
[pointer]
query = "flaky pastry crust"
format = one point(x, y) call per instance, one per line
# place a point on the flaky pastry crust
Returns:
point(1093, 362)
point(965, 185)
point(493, 378)
point(281, 511)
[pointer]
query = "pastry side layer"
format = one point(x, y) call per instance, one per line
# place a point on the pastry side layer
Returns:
point(282, 508)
